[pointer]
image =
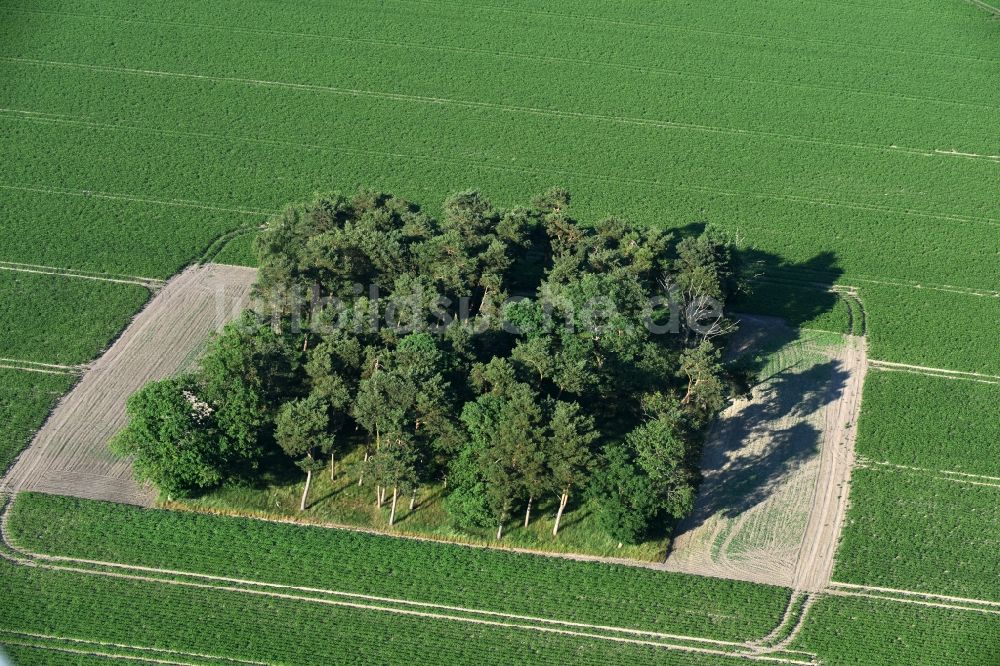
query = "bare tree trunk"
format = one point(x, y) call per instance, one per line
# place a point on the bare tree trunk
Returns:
point(392, 512)
point(305, 342)
point(331, 466)
point(413, 498)
point(562, 507)
point(305, 491)
point(500, 531)
point(361, 477)
point(527, 513)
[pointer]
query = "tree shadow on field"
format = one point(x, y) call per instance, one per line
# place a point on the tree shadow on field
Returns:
point(796, 292)
point(737, 478)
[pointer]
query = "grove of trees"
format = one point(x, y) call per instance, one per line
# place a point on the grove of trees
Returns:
point(508, 356)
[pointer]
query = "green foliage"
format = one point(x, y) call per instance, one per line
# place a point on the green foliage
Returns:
point(302, 428)
point(569, 444)
point(665, 458)
point(214, 425)
point(172, 436)
point(25, 399)
point(650, 475)
point(510, 414)
point(57, 319)
point(624, 495)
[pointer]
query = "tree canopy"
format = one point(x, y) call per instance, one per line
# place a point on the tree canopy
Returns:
point(516, 354)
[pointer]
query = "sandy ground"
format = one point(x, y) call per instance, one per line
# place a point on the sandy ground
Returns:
point(69, 454)
point(777, 465)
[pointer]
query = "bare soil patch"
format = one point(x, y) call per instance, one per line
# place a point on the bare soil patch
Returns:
point(777, 465)
point(69, 455)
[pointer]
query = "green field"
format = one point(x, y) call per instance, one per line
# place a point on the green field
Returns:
point(884, 633)
point(919, 531)
point(930, 422)
point(25, 399)
point(270, 630)
point(848, 142)
point(62, 320)
point(358, 562)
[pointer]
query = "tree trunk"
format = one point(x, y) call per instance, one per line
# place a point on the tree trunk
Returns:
point(562, 507)
point(305, 342)
point(331, 466)
point(361, 477)
point(527, 513)
point(392, 512)
point(413, 499)
point(500, 531)
point(305, 491)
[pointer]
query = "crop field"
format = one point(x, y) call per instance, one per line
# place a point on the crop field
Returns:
point(930, 422)
point(96, 615)
point(922, 531)
point(385, 598)
point(26, 397)
point(61, 320)
point(370, 564)
point(923, 503)
point(845, 143)
point(885, 633)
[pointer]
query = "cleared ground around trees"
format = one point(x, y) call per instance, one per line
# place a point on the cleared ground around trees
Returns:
point(777, 464)
point(69, 455)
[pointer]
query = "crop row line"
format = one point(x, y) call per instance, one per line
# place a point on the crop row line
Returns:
point(509, 108)
point(515, 55)
point(916, 594)
point(668, 26)
point(867, 462)
point(987, 7)
point(359, 601)
point(52, 642)
point(115, 196)
point(911, 371)
point(916, 602)
point(51, 647)
point(46, 367)
point(935, 372)
point(150, 283)
point(822, 280)
point(6, 366)
point(962, 478)
point(40, 117)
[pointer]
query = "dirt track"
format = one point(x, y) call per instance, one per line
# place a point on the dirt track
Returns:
point(777, 466)
point(69, 454)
